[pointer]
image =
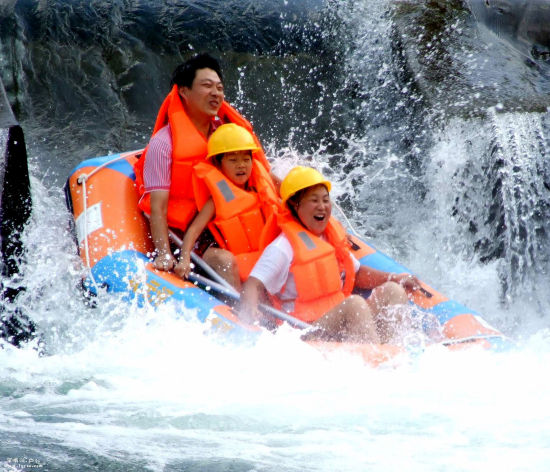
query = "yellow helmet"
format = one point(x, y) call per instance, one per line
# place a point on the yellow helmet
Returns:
point(300, 178)
point(229, 138)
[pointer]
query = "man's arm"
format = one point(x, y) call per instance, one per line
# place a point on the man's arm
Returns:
point(157, 179)
point(164, 259)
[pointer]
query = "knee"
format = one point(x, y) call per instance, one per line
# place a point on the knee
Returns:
point(358, 319)
point(394, 293)
point(356, 303)
point(355, 308)
point(220, 258)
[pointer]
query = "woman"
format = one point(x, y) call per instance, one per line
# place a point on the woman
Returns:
point(309, 271)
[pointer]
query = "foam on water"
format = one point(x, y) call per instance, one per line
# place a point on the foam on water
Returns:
point(160, 392)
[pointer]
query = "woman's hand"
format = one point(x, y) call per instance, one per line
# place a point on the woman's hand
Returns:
point(247, 308)
point(164, 261)
point(248, 314)
point(408, 281)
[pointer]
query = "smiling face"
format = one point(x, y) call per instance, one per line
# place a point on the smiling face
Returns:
point(206, 94)
point(314, 209)
point(237, 167)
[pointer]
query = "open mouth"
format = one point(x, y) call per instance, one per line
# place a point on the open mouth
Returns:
point(319, 217)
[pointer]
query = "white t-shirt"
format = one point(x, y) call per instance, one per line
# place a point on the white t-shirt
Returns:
point(273, 270)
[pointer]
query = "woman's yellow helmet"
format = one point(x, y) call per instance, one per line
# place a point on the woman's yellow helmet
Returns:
point(299, 178)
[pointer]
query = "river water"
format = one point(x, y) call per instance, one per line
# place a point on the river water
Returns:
point(436, 154)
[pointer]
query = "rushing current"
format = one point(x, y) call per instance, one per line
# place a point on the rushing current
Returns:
point(435, 131)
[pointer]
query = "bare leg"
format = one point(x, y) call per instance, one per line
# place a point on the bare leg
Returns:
point(351, 321)
point(224, 263)
point(388, 317)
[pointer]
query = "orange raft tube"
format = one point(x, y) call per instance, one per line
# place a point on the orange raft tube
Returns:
point(114, 243)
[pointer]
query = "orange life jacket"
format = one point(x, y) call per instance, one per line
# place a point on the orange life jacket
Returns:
point(245, 221)
point(317, 268)
point(189, 147)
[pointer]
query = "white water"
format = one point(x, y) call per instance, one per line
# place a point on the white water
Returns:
point(153, 396)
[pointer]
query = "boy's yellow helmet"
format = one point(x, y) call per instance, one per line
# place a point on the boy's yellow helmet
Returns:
point(229, 138)
point(300, 178)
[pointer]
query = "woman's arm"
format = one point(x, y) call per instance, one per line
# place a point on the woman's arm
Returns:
point(367, 277)
point(183, 267)
point(269, 275)
point(250, 298)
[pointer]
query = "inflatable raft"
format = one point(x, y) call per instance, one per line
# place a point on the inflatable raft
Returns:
point(114, 244)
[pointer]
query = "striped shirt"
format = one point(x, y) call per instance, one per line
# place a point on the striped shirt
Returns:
point(157, 169)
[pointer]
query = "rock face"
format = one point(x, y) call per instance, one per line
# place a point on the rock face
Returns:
point(524, 23)
point(470, 55)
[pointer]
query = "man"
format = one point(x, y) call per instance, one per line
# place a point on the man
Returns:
point(193, 109)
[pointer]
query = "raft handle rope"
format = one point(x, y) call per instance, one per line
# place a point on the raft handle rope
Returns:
point(81, 180)
point(346, 219)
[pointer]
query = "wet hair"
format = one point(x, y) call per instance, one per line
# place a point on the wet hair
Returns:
point(184, 74)
point(293, 201)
